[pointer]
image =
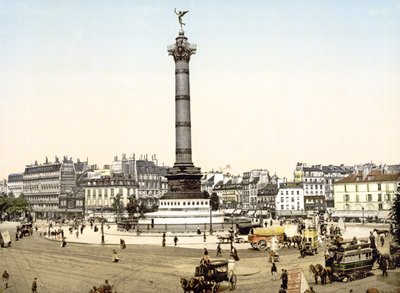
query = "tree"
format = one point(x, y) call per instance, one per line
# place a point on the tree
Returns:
point(395, 214)
point(214, 202)
point(132, 207)
point(117, 205)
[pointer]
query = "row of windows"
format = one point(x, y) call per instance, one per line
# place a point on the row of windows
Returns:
point(348, 207)
point(312, 186)
point(287, 207)
point(174, 203)
point(98, 202)
point(113, 191)
point(369, 197)
point(291, 192)
point(287, 199)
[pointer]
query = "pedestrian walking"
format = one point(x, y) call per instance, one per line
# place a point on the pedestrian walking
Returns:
point(107, 288)
point(219, 250)
point(34, 285)
point(382, 240)
point(175, 240)
point(77, 234)
point(163, 240)
point(204, 237)
point(6, 277)
point(270, 222)
point(122, 243)
point(274, 271)
point(63, 242)
point(115, 256)
point(384, 268)
point(284, 278)
point(372, 240)
point(205, 260)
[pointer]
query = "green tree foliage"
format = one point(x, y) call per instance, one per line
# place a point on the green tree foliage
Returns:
point(214, 201)
point(12, 205)
point(117, 204)
point(395, 214)
point(132, 207)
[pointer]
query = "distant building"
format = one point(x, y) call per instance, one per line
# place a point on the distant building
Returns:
point(3, 186)
point(46, 184)
point(210, 179)
point(365, 194)
point(290, 200)
point(101, 192)
point(15, 184)
point(331, 175)
point(266, 198)
point(250, 185)
point(314, 189)
point(318, 182)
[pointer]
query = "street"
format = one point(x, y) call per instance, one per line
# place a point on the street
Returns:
point(150, 268)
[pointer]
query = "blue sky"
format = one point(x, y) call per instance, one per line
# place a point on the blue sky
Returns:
point(273, 83)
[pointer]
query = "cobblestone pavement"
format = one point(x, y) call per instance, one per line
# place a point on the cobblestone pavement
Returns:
point(145, 266)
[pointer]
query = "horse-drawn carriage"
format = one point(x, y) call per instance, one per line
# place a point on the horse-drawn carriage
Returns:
point(211, 277)
point(25, 229)
point(350, 262)
point(309, 244)
point(216, 273)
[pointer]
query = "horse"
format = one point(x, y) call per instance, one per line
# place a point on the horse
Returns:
point(321, 273)
point(328, 272)
point(379, 232)
point(192, 285)
point(296, 240)
point(313, 271)
point(292, 241)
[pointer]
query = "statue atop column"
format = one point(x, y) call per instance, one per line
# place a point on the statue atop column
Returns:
point(180, 15)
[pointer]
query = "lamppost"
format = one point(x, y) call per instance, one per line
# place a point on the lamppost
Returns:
point(362, 214)
point(231, 232)
point(211, 231)
point(102, 226)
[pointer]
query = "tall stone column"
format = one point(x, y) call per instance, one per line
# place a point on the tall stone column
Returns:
point(183, 177)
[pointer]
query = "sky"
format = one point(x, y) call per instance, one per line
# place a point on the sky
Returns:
point(272, 83)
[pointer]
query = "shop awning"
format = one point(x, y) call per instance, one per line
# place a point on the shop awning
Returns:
point(360, 214)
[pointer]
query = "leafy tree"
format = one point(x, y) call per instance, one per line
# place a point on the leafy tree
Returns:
point(132, 207)
point(18, 206)
point(117, 204)
point(5, 203)
point(12, 205)
point(214, 202)
point(395, 214)
point(206, 195)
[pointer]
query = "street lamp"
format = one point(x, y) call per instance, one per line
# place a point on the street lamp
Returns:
point(211, 231)
point(362, 214)
point(102, 226)
point(231, 233)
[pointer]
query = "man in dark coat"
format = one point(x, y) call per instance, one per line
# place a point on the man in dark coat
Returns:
point(34, 285)
point(372, 240)
point(284, 278)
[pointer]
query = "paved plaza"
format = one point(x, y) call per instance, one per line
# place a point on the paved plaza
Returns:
point(146, 266)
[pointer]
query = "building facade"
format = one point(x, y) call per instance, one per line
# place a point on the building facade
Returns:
point(45, 185)
point(15, 184)
point(290, 200)
point(365, 194)
point(100, 194)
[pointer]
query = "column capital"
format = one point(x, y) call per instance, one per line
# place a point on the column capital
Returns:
point(182, 50)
